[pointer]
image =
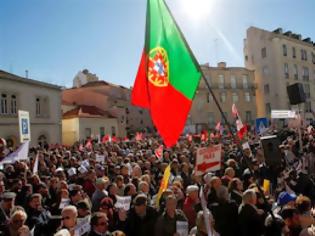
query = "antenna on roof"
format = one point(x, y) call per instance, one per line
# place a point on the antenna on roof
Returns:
point(26, 74)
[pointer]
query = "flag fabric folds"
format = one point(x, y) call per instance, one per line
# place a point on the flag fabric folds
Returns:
point(164, 184)
point(168, 75)
point(241, 128)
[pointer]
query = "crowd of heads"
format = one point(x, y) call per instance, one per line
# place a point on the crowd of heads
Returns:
point(76, 190)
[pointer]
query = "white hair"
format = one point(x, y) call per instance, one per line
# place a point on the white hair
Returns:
point(70, 208)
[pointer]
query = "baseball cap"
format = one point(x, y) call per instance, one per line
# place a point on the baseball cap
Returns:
point(284, 198)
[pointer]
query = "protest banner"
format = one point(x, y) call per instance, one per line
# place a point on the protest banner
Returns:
point(123, 202)
point(208, 159)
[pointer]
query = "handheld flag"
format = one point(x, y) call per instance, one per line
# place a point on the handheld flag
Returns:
point(241, 128)
point(168, 75)
point(35, 167)
point(159, 152)
point(164, 184)
point(20, 154)
point(106, 138)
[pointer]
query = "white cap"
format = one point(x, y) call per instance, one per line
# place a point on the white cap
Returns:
point(192, 188)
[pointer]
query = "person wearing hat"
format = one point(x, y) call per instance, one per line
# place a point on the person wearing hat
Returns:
point(100, 192)
point(192, 204)
point(286, 198)
point(6, 205)
point(141, 218)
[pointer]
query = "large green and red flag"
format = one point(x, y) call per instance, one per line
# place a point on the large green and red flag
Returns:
point(168, 75)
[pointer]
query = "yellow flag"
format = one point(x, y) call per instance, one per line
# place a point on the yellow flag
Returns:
point(266, 186)
point(164, 184)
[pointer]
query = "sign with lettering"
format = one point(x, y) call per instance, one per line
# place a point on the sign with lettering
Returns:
point(123, 202)
point(208, 159)
point(24, 126)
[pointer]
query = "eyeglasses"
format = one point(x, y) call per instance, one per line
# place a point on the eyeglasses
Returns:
point(66, 218)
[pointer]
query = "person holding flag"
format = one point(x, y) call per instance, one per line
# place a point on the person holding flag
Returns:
point(241, 128)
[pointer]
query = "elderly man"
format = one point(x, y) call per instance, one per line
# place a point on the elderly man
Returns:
point(99, 224)
point(17, 225)
point(100, 192)
point(141, 218)
point(69, 216)
point(192, 204)
point(166, 224)
point(251, 222)
point(6, 206)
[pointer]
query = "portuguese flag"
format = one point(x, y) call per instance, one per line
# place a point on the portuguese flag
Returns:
point(168, 75)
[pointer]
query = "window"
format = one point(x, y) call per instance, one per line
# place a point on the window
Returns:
point(13, 104)
point(141, 122)
point(286, 70)
point(221, 81)
point(307, 90)
point(226, 116)
point(308, 106)
point(4, 104)
point(266, 89)
point(223, 97)
point(127, 110)
point(306, 75)
point(313, 58)
point(293, 52)
point(234, 97)
point(245, 81)
point(246, 58)
point(88, 132)
point(38, 107)
point(233, 82)
point(248, 116)
point(247, 96)
point(263, 52)
point(284, 50)
point(303, 55)
point(296, 72)
point(268, 108)
point(209, 80)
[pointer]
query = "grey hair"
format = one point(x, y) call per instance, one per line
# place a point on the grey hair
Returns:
point(70, 208)
point(248, 195)
point(223, 193)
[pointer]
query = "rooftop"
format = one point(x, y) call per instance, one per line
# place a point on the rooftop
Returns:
point(83, 111)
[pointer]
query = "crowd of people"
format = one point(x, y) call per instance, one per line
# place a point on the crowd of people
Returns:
point(77, 190)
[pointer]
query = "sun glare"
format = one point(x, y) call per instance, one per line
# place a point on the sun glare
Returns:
point(197, 9)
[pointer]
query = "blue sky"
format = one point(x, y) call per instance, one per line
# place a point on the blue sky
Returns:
point(54, 39)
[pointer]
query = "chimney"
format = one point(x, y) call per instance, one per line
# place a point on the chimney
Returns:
point(222, 64)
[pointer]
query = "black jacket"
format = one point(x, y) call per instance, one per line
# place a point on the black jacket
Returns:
point(250, 222)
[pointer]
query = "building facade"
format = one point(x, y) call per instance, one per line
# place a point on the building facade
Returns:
point(230, 85)
point(41, 100)
point(83, 122)
point(115, 100)
point(280, 59)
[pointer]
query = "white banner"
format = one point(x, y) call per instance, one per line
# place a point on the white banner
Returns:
point(123, 202)
point(100, 158)
point(20, 154)
point(182, 228)
point(83, 226)
point(24, 126)
point(282, 114)
point(208, 159)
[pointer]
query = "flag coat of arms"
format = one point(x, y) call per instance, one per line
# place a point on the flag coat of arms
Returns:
point(168, 75)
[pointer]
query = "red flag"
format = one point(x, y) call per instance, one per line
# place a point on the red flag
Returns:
point(139, 136)
point(189, 137)
point(88, 144)
point(126, 139)
point(114, 139)
point(234, 111)
point(159, 152)
point(241, 128)
point(204, 136)
point(218, 126)
point(106, 138)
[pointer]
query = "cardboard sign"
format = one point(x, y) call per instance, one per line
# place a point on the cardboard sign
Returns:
point(64, 202)
point(83, 226)
point(208, 159)
point(85, 164)
point(82, 169)
point(182, 228)
point(123, 202)
point(72, 171)
point(24, 126)
point(100, 158)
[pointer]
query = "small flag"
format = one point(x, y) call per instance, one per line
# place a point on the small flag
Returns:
point(89, 144)
point(159, 152)
point(241, 128)
point(35, 167)
point(164, 184)
point(189, 137)
point(106, 138)
point(138, 136)
point(234, 111)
